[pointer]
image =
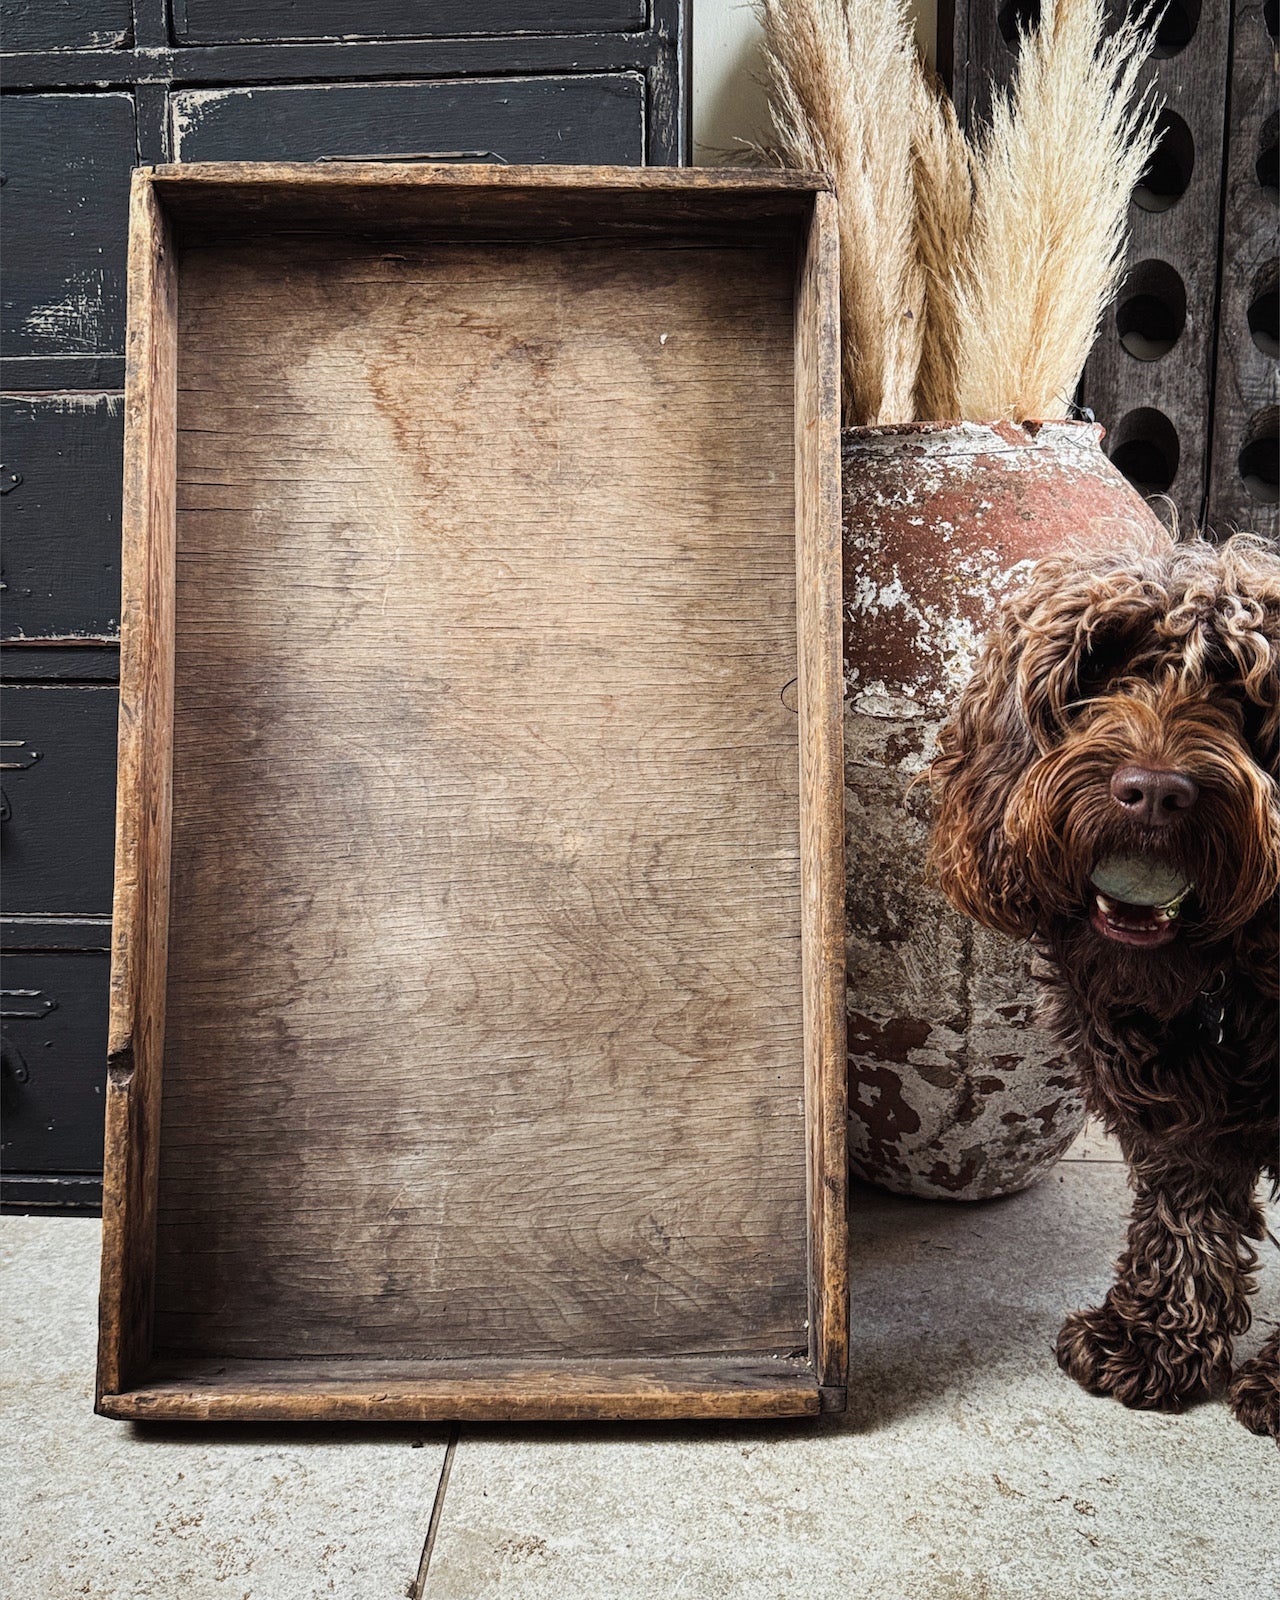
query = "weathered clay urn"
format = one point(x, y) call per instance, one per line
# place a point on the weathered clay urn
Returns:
point(953, 1090)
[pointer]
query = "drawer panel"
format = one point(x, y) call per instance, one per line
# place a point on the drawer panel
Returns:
point(59, 758)
point(597, 118)
point(66, 204)
point(62, 519)
point(68, 25)
point(53, 1016)
point(254, 21)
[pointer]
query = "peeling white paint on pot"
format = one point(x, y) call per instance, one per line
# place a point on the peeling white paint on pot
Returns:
point(954, 1092)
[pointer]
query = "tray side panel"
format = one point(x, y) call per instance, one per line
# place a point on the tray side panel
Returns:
point(375, 1390)
point(485, 1018)
point(818, 570)
point(141, 897)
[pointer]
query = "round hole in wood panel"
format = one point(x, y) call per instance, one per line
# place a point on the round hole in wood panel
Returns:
point(1144, 446)
point(1169, 171)
point(1015, 18)
point(1176, 28)
point(1267, 165)
point(1259, 459)
point(1152, 311)
point(1264, 309)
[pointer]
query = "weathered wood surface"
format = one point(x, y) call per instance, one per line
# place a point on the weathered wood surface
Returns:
point(67, 25)
point(59, 784)
point(484, 953)
point(818, 576)
point(1153, 358)
point(1246, 446)
point(79, 45)
point(487, 1035)
point(62, 520)
point(477, 1391)
point(135, 1033)
point(669, 206)
point(531, 119)
point(239, 21)
point(67, 160)
point(54, 1041)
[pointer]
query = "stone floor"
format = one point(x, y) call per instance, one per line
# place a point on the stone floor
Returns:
point(967, 1467)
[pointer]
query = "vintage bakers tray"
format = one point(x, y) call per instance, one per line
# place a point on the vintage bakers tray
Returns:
point(476, 1034)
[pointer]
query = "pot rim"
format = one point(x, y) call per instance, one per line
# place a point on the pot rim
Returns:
point(1013, 433)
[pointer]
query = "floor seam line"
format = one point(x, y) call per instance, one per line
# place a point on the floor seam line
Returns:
point(418, 1587)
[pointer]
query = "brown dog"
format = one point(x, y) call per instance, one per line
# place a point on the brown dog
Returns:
point(1108, 787)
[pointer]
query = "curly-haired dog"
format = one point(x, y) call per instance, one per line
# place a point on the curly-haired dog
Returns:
point(1108, 788)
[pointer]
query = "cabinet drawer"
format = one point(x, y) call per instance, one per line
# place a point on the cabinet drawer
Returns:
point(257, 21)
point(595, 118)
point(53, 1015)
point(59, 760)
point(62, 518)
point(70, 25)
point(66, 202)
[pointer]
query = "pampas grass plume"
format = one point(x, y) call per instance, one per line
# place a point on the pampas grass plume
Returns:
point(843, 76)
point(1052, 179)
point(973, 277)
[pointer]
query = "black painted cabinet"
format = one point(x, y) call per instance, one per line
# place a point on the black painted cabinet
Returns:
point(91, 88)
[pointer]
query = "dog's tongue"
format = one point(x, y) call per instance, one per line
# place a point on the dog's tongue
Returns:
point(1139, 880)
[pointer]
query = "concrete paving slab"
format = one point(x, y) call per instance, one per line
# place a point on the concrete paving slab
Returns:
point(1094, 1144)
point(105, 1510)
point(968, 1467)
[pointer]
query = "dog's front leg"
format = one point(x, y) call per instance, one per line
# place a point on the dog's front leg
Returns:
point(1255, 1390)
point(1164, 1332)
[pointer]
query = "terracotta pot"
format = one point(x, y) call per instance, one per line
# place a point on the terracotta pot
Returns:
point(953, 1090)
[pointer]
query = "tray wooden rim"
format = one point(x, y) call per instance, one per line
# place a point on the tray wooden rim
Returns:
point(127, 1379)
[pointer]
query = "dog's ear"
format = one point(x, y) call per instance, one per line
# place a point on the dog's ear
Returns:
point(1246, 638)
point(1057, 638)
point(982, 752)
point(1077, 622)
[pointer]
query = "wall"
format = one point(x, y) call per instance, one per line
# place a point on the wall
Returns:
point(729, 108)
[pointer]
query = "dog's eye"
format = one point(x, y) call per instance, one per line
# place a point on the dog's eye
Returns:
point(1102, 660)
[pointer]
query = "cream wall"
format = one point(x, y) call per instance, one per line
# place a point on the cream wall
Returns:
point(729, 107)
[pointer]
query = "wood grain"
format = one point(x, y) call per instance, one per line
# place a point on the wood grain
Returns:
point(818, 578)
point(443, 203)
point(1247, 387)
point(475, 1391)
point(503, 1067)
point(140, 914)
point(484, 980)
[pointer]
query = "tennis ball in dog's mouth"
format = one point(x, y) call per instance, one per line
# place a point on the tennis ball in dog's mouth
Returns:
point(1139, 880)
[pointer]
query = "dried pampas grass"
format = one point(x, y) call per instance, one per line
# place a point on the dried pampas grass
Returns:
point(843, 75)
point(973, 277)
point(942, 164)
point(1053, 176)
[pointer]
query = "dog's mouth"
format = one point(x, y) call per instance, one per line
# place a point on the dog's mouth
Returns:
point(1137, 900)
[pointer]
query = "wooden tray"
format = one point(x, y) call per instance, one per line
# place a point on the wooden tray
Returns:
point(479, 868)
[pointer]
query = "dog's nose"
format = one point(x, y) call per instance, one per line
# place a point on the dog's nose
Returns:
point(1153, 796)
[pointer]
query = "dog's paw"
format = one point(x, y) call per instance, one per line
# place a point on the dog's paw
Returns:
point(1254, 1394)
point(1137, 1363)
